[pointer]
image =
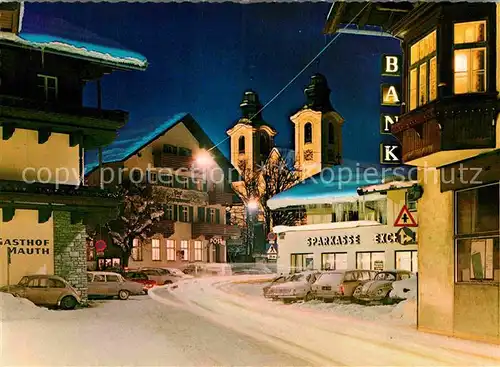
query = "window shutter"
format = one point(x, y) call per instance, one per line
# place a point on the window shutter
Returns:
point(190, 219)
point(217, 216)
point(205, 186)
point(165, 211)
point(207, 211)
point(176, 212)
point(201, 214)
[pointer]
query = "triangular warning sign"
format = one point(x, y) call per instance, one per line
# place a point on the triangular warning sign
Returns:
point(272, 250)
point(405, 219)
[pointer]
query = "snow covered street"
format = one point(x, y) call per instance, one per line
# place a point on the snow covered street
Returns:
point(210, 321)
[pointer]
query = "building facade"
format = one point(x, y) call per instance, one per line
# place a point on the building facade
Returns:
point(44, 130)
point(354, 232)
point(197, 198)
point(449, 129)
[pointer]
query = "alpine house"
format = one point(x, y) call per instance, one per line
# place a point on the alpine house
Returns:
point(44, 131)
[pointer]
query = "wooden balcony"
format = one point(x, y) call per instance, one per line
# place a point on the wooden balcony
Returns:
point(222, 198)
point(172, 161)
point(215, 230)
point(164, 227)
point(448, 130)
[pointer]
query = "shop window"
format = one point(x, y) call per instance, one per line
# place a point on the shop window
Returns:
point(301, 262)
point(48, 86)
point(185, 250)
point(308, 133)
point(470, 50)
point(334, 261)
point(198, 248)
point(170, 250)
point(155, 249)
point(477, 234)
point(423, 71)
point(407, 260)
point(370, 260)
point(90, 251)
point(136, 250)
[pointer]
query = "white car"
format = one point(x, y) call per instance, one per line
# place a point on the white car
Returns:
point(404, 289)
point(178, 273)
point(297, 287)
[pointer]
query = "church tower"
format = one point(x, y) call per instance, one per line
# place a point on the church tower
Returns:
point(251, 137)
point(318, 130)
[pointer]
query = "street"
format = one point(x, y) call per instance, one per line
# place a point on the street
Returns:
point(204, 323)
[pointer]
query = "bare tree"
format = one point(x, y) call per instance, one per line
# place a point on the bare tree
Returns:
point(263, 182)
point(139, 212)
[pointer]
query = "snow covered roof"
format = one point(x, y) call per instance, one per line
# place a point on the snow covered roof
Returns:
point(288, 155)
point(388, 186)
point(131, 141)
point(98, 53)
point(323, 226)
point(334, 184)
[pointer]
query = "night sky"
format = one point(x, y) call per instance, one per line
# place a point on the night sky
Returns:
point(202, 57)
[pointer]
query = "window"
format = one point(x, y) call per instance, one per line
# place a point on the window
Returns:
point(185, 152)
point(477, 234)
point(300, 262)
point(90, 251)
point(184, 182)
point(170, 250)
point(423, 71)
point(152, 177)
point(184, 214)
point(211, 215)
point(198, 248)
point(112, 278)
point(155, 249)
point(370, 260)
point(185, 250)
point(241, 144)
point(407, 260)
point(48, 87)
point(56, 283)
point(331, 134)
point(411, 204)
point(470, 57)
point(168, 212)
point(334, 261)
point(308, 133)
point(136, 250)
point(169, 149)
point(166, 180)
point(264, 144)
point(376, 210)
point(99, 278)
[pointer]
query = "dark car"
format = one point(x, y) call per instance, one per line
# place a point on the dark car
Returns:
point(140, 277)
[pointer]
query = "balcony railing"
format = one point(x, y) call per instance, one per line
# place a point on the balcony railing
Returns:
point(171, 194)
point(172, 161)
point(456, 123)
point(222, 198)
point(94, 113)
point(213, 229)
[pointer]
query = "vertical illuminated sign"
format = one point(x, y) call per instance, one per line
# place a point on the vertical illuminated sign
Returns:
point(390, 99)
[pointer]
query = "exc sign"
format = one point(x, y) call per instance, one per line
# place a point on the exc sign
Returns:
point(390, 153)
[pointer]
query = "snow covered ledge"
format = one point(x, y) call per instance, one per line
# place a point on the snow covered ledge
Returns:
point(323, 226)
point(278, 203)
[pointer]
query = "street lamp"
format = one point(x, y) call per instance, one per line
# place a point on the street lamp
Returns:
point(252, 207)
point(203, 159)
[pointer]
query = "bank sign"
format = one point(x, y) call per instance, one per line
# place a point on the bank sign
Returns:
point(390, 151)
point(25, 246)
point(404, 236)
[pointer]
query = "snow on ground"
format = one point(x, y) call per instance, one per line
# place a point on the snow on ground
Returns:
point(403, 313)
point(15, 308)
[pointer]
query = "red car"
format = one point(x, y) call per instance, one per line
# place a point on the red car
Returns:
point(140, 277)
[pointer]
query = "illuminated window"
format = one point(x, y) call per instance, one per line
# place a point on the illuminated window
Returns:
point(137, 250)
point(185, 250)
point(470, 57)
point(170, 250)
point(423, 71)
point(155, 250)
point(198, 248)
point(333, 261)
point(308, 133)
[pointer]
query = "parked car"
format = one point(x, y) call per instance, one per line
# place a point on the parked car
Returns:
point(404, 289)
point(46, 290)
point(159, 275)
point(296, 287)
point(108, 284)
point(178, 273)
point(340, 283)
point(208, 269)
point(266, 290)
point(378, 289)
point(140, 277)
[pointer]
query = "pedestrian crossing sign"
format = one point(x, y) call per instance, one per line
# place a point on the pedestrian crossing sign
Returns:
point(272, 250)
point(405, 219)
